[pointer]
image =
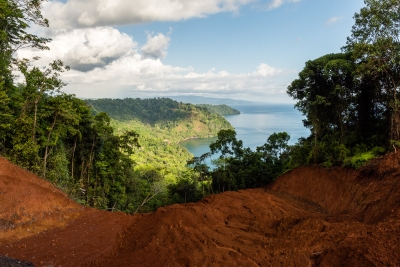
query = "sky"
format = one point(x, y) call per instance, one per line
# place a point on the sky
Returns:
point(239, 49)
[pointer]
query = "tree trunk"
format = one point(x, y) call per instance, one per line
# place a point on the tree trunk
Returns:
point(88, 170)
point(73, 158)
point(34, 120)
point(47, 145)
point(395, 119)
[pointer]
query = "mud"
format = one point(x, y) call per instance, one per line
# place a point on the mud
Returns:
point(309, 217)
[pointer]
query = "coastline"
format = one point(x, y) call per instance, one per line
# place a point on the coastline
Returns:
point(195, 137)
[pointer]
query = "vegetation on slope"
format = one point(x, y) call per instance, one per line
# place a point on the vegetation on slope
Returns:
point(165, 112)
point(220, 109)
point(162, 124)
point(350, 99)
point(56, 136)
point(173, 119)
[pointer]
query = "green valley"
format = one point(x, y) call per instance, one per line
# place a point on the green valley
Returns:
point(162, 124)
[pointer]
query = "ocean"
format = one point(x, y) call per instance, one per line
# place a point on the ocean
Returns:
point(255, 124)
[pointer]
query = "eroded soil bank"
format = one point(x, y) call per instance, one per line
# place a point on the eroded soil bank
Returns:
point(309, 217)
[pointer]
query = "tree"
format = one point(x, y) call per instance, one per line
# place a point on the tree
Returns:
point(202, 169)
point(38, 85)
point(52, 133)
point(227, 144)
point(6, 117)
point(324, 93)
point(15, 18)
point(327, 94)
point(184, 190)
point(274, 155)
point(276, 145)
point(58, 118)
point(375, 46)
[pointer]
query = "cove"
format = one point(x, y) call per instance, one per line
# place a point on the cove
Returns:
point(254, 125)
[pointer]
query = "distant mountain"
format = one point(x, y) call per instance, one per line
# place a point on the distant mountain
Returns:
point(212, 101)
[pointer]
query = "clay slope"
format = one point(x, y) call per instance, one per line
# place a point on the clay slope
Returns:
point(29, 204)
point(309, 217)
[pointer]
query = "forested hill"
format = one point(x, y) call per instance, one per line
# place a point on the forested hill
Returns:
point(158, 110)
point(220, 109)
point(161, 124)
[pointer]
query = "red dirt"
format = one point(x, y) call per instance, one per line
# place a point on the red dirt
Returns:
point(310, 217)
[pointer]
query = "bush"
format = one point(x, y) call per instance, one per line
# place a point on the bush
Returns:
point(361, 158)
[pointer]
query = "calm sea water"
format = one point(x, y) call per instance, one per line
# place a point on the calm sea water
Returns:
point(255, 124)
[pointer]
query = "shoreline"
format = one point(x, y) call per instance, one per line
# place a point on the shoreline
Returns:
point(195, 137)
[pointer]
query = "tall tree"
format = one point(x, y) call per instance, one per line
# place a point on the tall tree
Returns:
point(39, 83)
point(375, 45)
point(325, 93)
point(16, 16)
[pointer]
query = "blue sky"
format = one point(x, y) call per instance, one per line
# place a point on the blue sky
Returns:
point(284, 37)
point(240, 49)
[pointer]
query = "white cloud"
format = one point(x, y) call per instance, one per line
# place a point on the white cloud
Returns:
point(333, 20)
point(277, 3)
point(267, 71)
point(156, 46)
point(86, 49)
point(106, 63)
point(91, 13)
point(131, 76)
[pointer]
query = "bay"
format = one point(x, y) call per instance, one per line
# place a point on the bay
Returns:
point(254, 125)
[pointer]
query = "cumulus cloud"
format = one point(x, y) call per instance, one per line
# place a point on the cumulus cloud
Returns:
point(86, 49)
point(106, 63)
point(156, 46)
point(333, 20)
point(267, 71)
point(91, 13)
point(131, 76)
point(97, 48)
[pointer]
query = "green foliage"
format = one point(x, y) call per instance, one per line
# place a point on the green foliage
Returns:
point(184, 190)
point(325, 92)
point(51, 133)
point(341, 109)
point(300, 154)
point(395, 144)
point(360, 158)
point(220, 109)
point(375, 46)
point(161, 140)
point(6, 116)
point(163, 112)
point(240, 168)
point(58, 166)
point(148, 189)
point(350, 100)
